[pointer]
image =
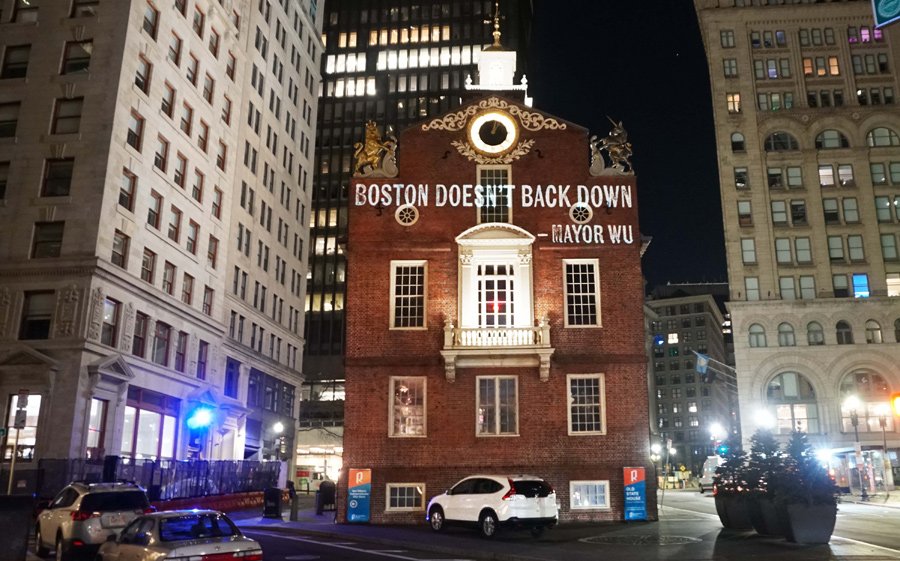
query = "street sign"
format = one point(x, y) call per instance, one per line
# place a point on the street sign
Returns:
point(359, 491)
point(22, 400)
point(683, 468)
point(21, 416)
point(859, 459)
point(858, 448)
point(669, 443)
point(886, 11)
point(635, 498)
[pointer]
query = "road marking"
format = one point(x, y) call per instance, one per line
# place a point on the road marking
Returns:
point(342, 546)
point(390, 550)
point(896, 551)
point(301, 557)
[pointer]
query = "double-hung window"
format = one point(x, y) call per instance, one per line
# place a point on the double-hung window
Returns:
point(497, 411)
point(405, 497)
point(408, 406)
point(496, 286)
point(408, 285)
point(582, 292)
point(587, 412)
point(496, 205)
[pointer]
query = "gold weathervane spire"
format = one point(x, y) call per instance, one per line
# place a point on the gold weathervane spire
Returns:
point(496, 20)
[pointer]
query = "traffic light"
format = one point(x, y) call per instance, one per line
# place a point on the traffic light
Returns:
point(895, 403)
point(722, 449)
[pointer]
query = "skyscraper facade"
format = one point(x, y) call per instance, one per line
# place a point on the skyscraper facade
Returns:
point(397, 63)
point(808, 135)
point(131, 133)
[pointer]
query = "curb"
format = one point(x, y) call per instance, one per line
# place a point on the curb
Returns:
point(421, 546)
point(872, 503)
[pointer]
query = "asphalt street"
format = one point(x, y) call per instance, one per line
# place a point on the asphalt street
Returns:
point(870, 524)
point(688, 530)
point(280, 547)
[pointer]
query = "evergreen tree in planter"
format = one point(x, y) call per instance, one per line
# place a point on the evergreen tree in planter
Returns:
point(764, 466)
point(805, 494)
point(730, 485)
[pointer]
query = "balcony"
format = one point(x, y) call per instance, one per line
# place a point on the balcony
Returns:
point(473, 347)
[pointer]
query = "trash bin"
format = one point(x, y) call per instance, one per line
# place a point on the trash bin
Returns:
point(272, 502)
point(325, 497)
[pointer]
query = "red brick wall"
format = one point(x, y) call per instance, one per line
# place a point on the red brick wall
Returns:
point(374, 353)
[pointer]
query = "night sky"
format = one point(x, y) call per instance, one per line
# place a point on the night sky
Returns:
point(642, 63)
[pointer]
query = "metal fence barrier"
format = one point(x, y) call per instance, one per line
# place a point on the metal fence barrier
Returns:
point(163, 479)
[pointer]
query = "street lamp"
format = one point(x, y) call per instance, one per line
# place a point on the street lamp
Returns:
point(852, 404)
point(655, 448)
point(765, 419)
point(278, 428)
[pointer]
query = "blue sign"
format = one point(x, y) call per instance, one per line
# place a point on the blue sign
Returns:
point(886, 11)
point(635, 496)
point(359, 489)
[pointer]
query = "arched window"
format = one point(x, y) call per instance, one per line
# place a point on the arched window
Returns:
point(757, 335)
point(778, 141)
point(872, 395)
point(844, 333)
point(873, 332)
point(794, 401)
point(786, 335)
point(831, 139)
point(737, 142)
point(815, 335)
point(882, 136)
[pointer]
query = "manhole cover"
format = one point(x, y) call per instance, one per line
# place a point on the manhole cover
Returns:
point(641, 540)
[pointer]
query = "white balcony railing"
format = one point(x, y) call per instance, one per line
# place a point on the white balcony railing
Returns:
point(474, 337)
point(489, 347)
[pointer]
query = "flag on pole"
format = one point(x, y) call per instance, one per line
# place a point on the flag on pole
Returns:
point(702, 363)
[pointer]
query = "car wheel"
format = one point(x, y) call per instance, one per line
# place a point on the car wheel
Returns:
point(39, 549)
point(60, 553)
point(701, 489)
point(537, 531)
point(436, 519)
point(488, 524)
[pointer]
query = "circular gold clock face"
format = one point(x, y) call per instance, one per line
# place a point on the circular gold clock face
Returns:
point(493, 133)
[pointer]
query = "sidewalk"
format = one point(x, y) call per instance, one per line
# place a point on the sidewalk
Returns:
point(890, 500)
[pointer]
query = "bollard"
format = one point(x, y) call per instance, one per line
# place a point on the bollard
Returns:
point(295, 503)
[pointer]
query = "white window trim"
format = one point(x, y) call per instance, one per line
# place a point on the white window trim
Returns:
point(394, 265)
point(573, 506)
point(602, 378)
point(478, 400)
point(509, 181)
point(387, 497)
point(596, 264)
point(391, 408)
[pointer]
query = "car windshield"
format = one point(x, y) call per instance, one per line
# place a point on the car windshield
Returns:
point(195, 526)
point(532, 489)
point(115, 501)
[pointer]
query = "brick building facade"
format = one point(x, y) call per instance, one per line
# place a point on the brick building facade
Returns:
point(463, 356)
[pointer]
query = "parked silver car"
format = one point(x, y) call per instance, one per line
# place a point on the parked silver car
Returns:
point(83, 515)
point(181, 535)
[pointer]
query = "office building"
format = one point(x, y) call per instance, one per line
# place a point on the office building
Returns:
point(808, 135)
point(132, 134)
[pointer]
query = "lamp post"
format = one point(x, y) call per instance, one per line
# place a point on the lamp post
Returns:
point(852, 403)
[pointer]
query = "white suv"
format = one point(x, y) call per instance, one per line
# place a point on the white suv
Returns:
point(83, 515)
point(490, 501)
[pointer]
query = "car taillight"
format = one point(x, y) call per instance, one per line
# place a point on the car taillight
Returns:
point(511, 494)
point(150, 510)
point(252, 555)
point(82, 515)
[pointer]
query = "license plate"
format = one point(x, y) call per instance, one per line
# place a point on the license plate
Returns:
point(116, 520)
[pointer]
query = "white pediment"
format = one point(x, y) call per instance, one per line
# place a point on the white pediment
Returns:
point(26, 356)
point(495, 234)
point(113, 367)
